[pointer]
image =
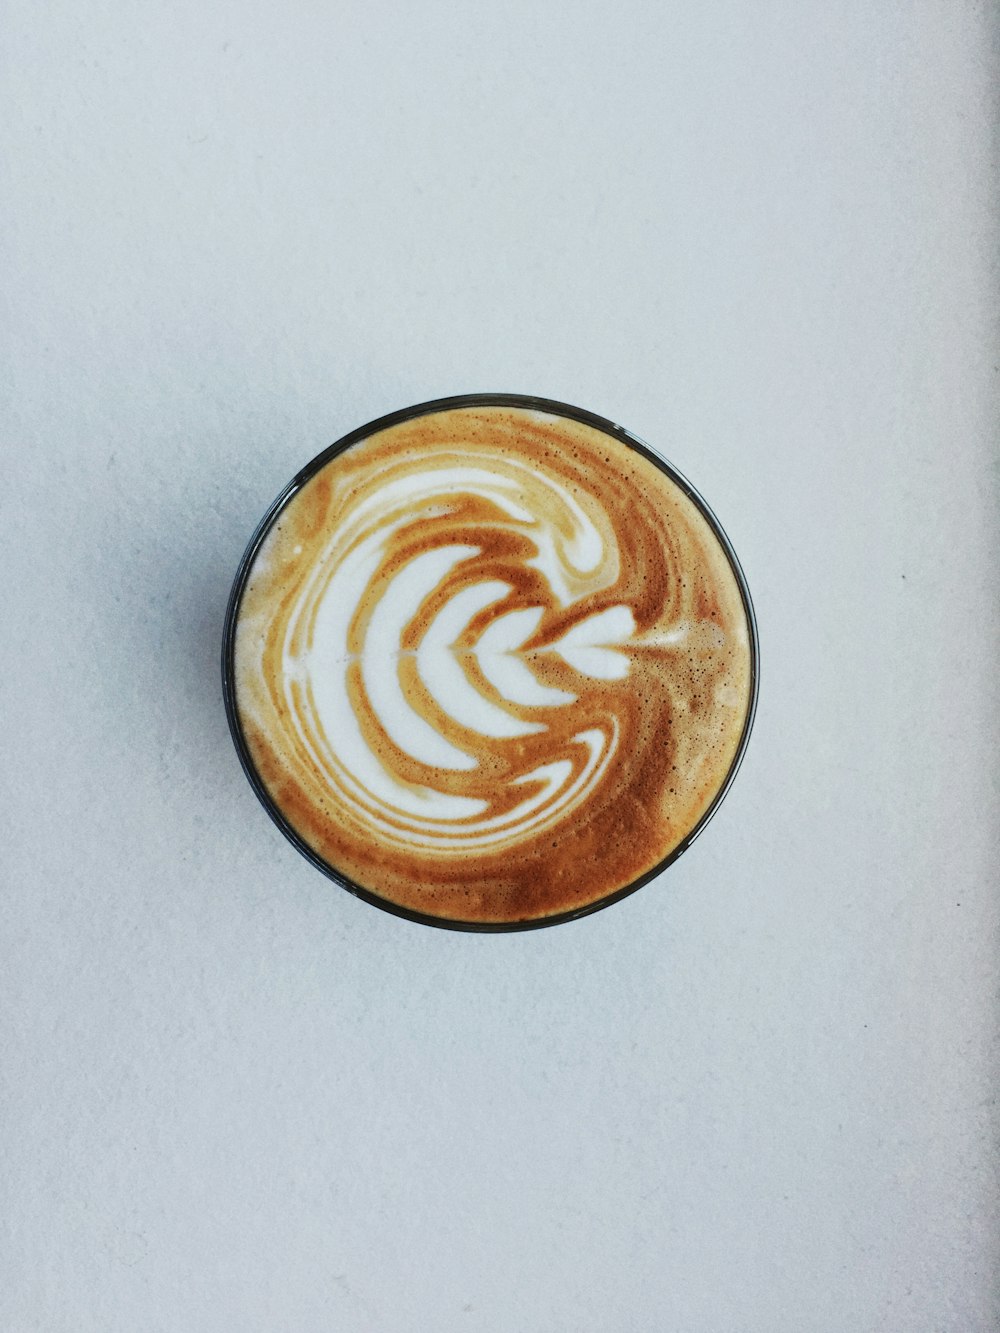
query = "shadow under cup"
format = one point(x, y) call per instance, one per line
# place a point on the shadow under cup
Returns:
point(465, 430)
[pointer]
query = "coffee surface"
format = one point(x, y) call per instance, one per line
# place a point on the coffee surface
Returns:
point(492, 664)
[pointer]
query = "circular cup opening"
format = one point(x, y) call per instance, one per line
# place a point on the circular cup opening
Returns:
point(264, 528)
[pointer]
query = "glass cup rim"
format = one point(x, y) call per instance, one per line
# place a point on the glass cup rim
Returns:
point(528, 402)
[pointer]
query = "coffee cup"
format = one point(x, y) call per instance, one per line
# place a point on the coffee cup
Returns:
point(490, 663)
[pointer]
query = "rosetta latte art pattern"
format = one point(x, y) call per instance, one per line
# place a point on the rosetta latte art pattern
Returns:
point(491, 664)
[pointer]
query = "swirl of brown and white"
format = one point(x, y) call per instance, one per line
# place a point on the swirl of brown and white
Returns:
point(492, 664)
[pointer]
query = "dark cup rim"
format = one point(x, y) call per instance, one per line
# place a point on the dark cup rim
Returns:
point(531, 403)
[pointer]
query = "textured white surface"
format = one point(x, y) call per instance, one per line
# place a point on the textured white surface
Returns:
point(758, 1096)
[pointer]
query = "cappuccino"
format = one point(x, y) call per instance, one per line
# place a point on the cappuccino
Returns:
point(490, 663)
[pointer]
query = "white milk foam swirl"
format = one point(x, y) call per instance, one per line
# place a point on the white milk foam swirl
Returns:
point(575, 559)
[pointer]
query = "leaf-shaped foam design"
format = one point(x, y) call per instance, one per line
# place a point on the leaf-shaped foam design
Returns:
point(587, 646)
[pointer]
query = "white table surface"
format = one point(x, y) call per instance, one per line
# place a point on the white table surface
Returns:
point(756, 1096)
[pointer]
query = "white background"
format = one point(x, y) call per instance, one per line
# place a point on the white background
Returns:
point(758, 1096)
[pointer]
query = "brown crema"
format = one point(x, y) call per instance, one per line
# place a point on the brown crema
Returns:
point(492, 664)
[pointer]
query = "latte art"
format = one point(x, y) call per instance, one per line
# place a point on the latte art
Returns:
point(355, 653)
point(491, 664)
